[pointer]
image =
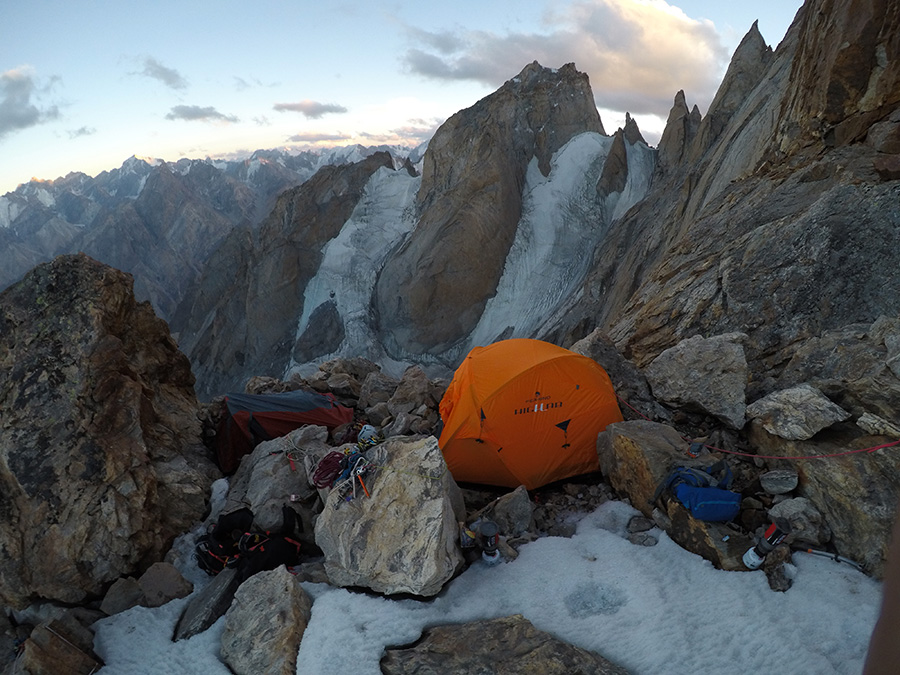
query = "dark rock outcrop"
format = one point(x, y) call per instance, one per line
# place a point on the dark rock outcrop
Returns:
point(101, 463)
point(803, 218)
point(678, 134)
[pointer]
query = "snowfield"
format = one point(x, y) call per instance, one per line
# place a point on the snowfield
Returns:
point(652, 610)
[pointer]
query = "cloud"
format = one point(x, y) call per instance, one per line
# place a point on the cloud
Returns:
point(168, 76)
point(312, 137)
point(636, 54)
point(417, 129)
point(18, 108)
point(83, 131)
point(195, 113)
point(445, 42)
point(311, 109)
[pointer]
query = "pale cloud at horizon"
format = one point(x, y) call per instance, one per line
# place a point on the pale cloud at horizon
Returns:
point(316, 137)
point(637, 55)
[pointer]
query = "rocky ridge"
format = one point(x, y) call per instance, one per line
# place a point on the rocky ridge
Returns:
point(393, 279)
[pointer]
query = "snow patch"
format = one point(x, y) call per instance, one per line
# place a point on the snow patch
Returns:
point(561, 223)
point(253, 167)
point(44, 197)
point(9, 211)
point(140, 186)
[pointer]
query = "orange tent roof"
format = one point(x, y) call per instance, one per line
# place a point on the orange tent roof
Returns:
point(525, 412)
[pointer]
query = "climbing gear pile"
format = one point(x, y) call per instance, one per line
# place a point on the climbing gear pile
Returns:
point(349, 472)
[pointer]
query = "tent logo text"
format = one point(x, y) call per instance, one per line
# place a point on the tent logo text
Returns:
point(538, 407)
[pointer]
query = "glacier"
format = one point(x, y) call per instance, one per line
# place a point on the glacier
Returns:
point(563, 220)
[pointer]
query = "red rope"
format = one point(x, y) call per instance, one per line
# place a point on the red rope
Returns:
point(328, 468)
point(747, 454)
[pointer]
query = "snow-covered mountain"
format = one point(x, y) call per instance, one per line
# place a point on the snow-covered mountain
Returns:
point(491, 239)
point(563, 218)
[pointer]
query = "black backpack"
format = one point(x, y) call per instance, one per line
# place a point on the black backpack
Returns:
point(220, 546)
point(231, 542)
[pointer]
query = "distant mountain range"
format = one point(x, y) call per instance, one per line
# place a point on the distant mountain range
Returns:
point(154, 219)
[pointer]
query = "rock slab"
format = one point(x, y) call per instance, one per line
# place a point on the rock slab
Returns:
point(509, 645)
point(265, 624)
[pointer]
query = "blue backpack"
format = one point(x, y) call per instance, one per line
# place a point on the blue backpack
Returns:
point(705, 495)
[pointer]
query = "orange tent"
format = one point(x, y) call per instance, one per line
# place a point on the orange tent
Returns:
point(525, 412)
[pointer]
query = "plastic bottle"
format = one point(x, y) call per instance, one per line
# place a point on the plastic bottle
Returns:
point(755, 555)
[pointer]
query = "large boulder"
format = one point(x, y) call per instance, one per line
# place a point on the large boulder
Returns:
point(707, 375)
point(101, 459)
point(275, 475)
point(403, 538)
point(797, 413)
point(857, 366)
point(58, 646)
point(856, 493)
point(636, 457)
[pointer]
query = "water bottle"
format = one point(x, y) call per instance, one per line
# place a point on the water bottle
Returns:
point(754, 556)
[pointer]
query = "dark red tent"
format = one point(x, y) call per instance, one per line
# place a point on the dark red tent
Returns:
point(253, 418)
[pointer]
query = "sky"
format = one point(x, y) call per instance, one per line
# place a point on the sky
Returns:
point(651, 609)
point(86, 84)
